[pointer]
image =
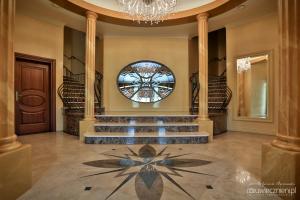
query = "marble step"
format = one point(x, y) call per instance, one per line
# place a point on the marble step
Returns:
point(74, 86)
point(75, 94)
point(146, 127)
point(218, 90)
point(217, 94)
point(146, 138)
point(146, 118)
point(80, 110)
point(211, 87)
point(73, 89)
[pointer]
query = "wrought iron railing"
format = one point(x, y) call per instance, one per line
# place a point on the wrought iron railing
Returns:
point(195, 92)
point(217, 102)
point(72, 90)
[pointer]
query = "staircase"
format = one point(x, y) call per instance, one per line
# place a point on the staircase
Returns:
point(169, 129)
point(72, 94)
point(219, 96)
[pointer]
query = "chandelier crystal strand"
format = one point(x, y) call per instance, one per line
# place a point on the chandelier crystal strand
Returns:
point(153, 11)
point(243, 64)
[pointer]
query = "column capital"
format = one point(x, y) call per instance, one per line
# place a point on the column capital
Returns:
point(202, 16)
point(91, 15)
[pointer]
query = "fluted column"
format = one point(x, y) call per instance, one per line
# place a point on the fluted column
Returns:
point(8, 139)
point(288, 137)
point(90, 65)
point(203, 65)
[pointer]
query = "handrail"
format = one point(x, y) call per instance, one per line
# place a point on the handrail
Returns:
point(195, 91)
point(80, 79)
point(98, 87)
point(74, 58)
point(217, 107)
point(224, 73)
point(66, 71)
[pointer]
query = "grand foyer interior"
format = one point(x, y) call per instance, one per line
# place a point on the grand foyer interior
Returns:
point(222, 101)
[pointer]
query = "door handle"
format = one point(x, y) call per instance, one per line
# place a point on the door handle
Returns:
point(18, 96)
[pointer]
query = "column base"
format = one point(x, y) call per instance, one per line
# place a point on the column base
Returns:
point(9, 144)
point(15, 172)
point(85, 126)
point(281, 167)
point(206, 125)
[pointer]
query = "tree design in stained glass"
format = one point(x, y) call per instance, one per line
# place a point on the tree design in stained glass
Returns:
point(146, 81)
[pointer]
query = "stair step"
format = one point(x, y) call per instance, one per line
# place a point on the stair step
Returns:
point(146, 127)
point(74, 86)
point(216, 90)
point(147, 118)
point(146, 138)
point(81, 107)
point(217, 94)
point(211, 87)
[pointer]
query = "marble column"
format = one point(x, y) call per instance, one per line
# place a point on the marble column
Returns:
point(205, 124)
point(8, 139)
point(281, 158)
point(203, 65)
point(288, 137)
point(15, 159)
point(86, 125)
point(90, 65)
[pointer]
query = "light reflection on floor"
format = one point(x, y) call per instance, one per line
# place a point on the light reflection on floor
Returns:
point(152, 168)
point(58, 169)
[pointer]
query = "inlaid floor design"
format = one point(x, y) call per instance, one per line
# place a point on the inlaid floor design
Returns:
point(64, 168)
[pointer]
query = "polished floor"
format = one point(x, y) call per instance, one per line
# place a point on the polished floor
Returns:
point(65, 168)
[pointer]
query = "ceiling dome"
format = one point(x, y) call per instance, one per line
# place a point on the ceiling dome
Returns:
point(186, 11)
point(182, 5)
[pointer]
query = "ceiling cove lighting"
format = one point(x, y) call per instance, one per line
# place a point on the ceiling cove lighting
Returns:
point(152, 11)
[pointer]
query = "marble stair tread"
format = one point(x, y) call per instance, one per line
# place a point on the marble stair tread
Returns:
point(146, 116)
point(146, 134)
point(146, 124)
point(147, 138)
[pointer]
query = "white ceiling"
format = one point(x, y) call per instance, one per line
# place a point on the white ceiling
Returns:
point(46, 11)
point(181, 4)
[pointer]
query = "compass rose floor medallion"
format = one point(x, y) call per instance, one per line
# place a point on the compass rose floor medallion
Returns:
point(141, 172)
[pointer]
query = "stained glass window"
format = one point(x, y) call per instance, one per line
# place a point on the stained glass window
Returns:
point(146, 81)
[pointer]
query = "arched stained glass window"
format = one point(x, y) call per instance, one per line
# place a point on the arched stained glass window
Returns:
point(146, 81)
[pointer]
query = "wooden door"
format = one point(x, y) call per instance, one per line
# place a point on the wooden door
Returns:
point(32, 88)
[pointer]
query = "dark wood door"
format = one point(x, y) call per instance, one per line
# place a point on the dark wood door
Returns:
point(32, 97)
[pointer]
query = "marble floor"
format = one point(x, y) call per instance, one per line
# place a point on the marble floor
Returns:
point(65, 168)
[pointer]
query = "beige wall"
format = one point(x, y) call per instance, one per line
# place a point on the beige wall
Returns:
point(74, 45)
point(42, 39)
point(120, 51)
point(254, 36)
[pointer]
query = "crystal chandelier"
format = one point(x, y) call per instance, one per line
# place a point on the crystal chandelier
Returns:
point(243, 64)
point(153, 11)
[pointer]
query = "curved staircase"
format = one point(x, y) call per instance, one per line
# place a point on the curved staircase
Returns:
point(72, 94)
point(219, 96)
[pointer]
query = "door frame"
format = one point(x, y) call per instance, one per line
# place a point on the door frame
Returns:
point(52, 69)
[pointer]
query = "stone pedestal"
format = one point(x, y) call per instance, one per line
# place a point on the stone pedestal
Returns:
point(207, 126)
point(15, 172)
point(15, 158)
point(281, 158)
point(86, 126)
point(281, 167)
